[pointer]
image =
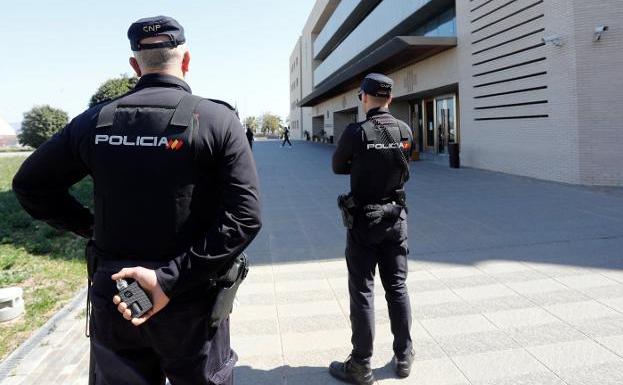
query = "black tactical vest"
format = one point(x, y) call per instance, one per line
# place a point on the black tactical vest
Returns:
point(143, 167)
point(381, 167)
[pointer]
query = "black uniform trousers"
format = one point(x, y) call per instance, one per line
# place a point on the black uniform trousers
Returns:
point(384, 244)
point(286, 139)
point(176, 343)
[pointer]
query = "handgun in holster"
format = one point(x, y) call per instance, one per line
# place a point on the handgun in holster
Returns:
point(401, 198)
point(226, 286)
point(348, 206)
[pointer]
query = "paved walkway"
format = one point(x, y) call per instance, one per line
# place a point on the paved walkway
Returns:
point(513, 281)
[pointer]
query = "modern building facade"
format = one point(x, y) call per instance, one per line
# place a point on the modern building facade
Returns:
point(527, 87)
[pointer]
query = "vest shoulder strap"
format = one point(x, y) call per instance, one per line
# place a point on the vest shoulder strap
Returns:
point(369, 128)
point(183, 115)
point(106, 116)
point(393, 127)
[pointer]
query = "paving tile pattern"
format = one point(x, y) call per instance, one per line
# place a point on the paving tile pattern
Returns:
point(460, 337)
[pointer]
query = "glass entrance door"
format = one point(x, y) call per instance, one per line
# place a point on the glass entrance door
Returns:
point(445, 122)
point(429, 128)
point(416, 124)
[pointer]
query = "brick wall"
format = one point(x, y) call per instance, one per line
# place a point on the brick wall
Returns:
point(600, 91)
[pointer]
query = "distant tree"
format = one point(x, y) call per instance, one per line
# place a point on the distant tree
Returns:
point(40, 123)
point(251, 123)
point(113, 88)
point(271, 123)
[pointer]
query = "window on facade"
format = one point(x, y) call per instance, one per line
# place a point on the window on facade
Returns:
point(444, 24)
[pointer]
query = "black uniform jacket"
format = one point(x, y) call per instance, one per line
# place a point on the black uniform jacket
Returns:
point(154, 198)
point(373, 178)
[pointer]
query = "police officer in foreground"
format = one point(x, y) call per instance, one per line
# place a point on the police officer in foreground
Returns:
point(375, 154)
point(176, 200)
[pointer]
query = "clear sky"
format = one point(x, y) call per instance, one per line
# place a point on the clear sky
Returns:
point(58, 52)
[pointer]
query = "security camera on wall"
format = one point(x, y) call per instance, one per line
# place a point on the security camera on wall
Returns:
point(599, 31)
point(553, 39)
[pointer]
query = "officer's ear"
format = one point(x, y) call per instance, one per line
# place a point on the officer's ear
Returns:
point(186, 62)
point(364, 98)
point(135, 66)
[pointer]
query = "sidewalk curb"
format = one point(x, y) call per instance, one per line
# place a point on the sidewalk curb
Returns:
point(14, 359)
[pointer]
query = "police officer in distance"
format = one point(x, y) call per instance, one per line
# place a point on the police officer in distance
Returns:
point(176, 200)
point(375, 154)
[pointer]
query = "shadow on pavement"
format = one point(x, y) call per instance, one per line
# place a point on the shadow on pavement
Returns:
point(246, 375)
point(301, 375)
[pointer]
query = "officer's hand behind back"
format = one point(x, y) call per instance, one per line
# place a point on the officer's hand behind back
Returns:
point(147, 279)
point(376, 213)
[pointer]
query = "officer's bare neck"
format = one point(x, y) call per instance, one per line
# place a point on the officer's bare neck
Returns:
point(162, 61)
point(172, 72)
point(371, 102)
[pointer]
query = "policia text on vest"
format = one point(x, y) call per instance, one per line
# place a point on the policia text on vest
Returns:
point(176, 203)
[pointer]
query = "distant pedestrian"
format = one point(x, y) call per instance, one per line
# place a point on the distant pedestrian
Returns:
point(250, 137)
point(286, 137)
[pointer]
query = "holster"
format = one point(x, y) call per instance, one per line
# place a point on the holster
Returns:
point(348, 207)
point(226, 288)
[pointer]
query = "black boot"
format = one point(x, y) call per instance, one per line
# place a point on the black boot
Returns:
point(403, 365)
point(351, 371)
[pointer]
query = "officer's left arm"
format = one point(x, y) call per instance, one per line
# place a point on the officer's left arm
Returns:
point(343, 154)
point(409, 151)
point(238, 219)
point(411, 139)
point(42, 183)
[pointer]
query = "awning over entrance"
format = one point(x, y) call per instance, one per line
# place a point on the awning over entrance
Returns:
point(397, 53)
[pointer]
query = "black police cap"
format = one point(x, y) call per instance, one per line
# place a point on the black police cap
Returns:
point(156, 26)
point(377, 85)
